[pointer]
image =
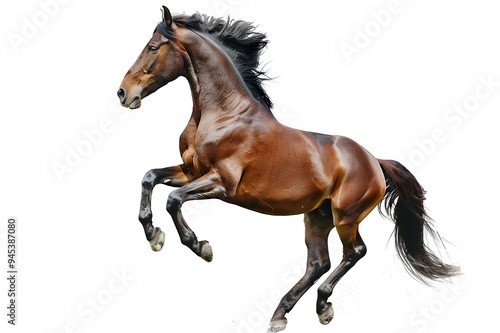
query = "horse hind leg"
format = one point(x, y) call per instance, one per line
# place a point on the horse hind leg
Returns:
point(354, 249)
point(348, 213)
point(318, 225)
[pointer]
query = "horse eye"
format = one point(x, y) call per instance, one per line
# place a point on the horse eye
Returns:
point(153, 48)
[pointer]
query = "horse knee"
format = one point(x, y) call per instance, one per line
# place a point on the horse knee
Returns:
point(174, 204)
point(149, 180)
point(325, 291)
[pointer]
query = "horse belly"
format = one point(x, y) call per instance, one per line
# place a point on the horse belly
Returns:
point(287, 190)
point(277, 201)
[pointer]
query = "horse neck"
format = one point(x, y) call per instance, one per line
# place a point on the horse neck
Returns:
point(216, 85)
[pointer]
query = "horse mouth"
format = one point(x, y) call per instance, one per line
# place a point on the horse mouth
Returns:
point(135, 103)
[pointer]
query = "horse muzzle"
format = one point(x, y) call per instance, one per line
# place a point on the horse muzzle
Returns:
point(133, 102)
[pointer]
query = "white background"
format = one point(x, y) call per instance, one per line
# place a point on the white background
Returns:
point(79, 231)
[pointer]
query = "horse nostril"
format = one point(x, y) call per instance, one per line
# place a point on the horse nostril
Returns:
point(121, 95)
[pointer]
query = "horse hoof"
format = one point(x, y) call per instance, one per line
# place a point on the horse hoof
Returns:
point(277, 325)
point(158, 240)
point(206, 251)
point(326, 317)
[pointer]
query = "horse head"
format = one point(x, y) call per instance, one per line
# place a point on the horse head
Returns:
point(159, 63)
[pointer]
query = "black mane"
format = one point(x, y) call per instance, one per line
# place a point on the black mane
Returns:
point(239, 40)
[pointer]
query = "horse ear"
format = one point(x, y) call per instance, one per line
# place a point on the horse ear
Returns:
point(167, 17)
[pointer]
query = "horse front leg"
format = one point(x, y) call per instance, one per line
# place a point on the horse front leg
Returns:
point(209, 186)
point(173, 176)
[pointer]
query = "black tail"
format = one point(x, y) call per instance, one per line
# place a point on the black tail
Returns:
point(404, 203)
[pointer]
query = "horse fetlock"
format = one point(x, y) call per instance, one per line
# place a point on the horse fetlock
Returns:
point(149, 230)
point(325, 291)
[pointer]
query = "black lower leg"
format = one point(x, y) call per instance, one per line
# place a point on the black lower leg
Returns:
point(317, 227)
point(352, 254)
point(173, 176)
point(149, 230)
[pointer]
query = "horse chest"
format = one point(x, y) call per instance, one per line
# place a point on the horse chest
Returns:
point(202, 150)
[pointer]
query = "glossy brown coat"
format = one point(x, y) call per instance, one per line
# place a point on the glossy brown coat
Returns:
point(235, 150)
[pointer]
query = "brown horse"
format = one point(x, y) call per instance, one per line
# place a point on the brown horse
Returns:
point(233, 149)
